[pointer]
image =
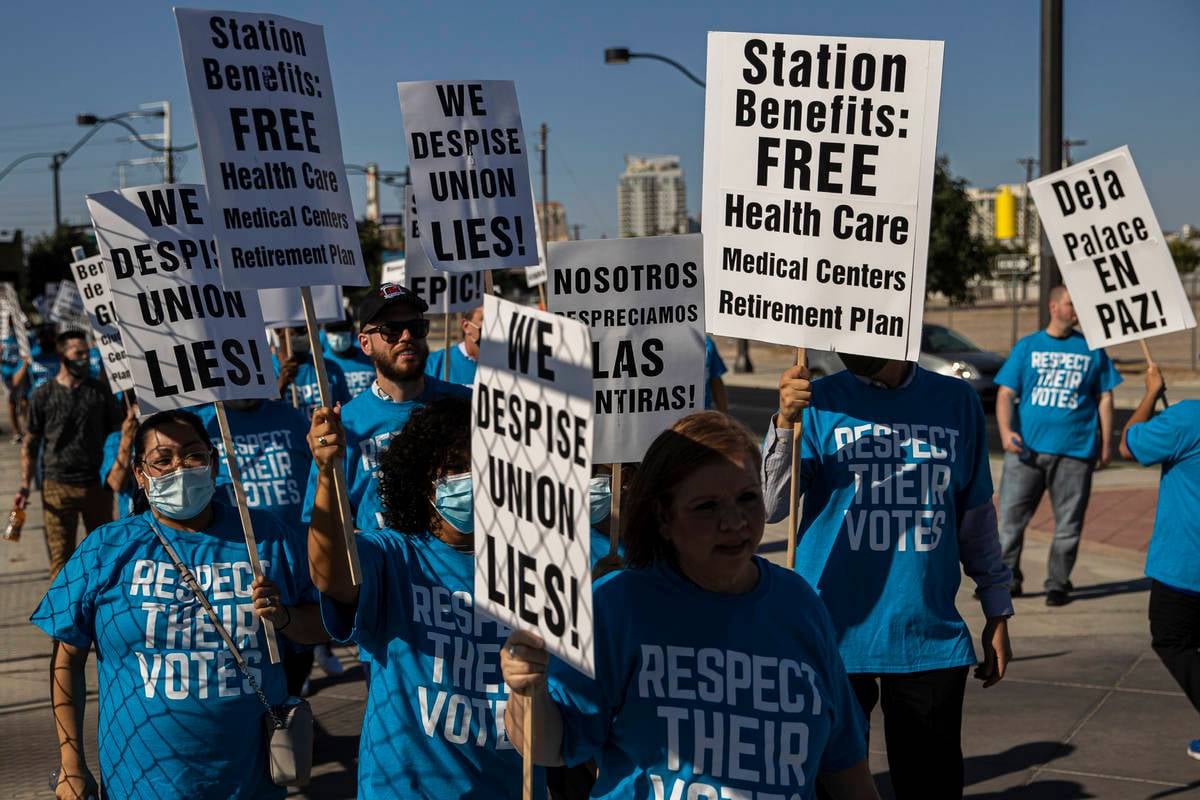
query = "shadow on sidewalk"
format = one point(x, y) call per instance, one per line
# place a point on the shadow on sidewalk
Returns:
point(1039, 790)
point(1021, 757)
point(1178, 790)
point(1100, 590)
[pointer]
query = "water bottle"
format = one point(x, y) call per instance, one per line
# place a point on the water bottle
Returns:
point(16, 521)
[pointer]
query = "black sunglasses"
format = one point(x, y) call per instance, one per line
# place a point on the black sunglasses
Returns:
point(392, 331)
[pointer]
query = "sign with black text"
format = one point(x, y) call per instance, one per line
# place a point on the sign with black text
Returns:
point(68, 305)
point(445, 292)
point(819, 155)
point(1110, 250)
point(282, 308)
point(468, 156)
point(643, 301)
point(531, 436)
point(188, 340)
point(92, 285)
point(262, 98)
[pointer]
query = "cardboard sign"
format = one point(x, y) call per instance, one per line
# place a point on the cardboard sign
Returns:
point(1110, 250)
point(262, 97)
point(643, 301)
point(188, 340)
point(282, 308)
point(467, 153)
point(446, 292)
point(819, 156)
point(531, 435)
point(68, 305)
point(18, 323)
point(91, 283)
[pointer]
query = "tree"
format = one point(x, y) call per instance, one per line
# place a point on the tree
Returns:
point(49, 259)
point(957, 258)
point(371, 243)
point(1187, 258)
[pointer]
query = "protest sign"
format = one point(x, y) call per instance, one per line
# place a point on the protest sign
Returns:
point(262, 97)
point(393, 271)
point(531, 460)
point(467, 153)
point(284, 308)
point(445, 292)
point(537, 275)
point(91, 282)
point(818, 171)
point(188, 340)
point(643, 301)
point(68, 305)
point(1111, 251)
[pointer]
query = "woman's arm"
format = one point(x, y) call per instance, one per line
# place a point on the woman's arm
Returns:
point(68, 693)
point(327, 560)
point(854, 783)
point(523, 662)
point(118, 475)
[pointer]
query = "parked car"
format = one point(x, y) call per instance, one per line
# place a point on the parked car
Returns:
point(944, 351)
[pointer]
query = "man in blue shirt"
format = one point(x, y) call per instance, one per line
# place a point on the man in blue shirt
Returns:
point(714, 386)
point(1064, 388)
point(897, 495)
point(1172, 439)
point(463, 356)
point(300, 372)
point(340, 344)
point(392, 331)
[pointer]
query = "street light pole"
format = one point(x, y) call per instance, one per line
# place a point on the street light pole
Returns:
point(1051, 114)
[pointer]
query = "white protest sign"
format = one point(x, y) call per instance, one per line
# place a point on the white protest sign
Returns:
point(282, 308)
point(262, 97)
point(536, 276)
point(393, 271)
point(91, 282)
point(8, 301)
point(188, 340)
point(68, 305)
point(531, 435)
point(445, 292)
point(643, 300)
point(467, 153)
point(17, 321)
point(819, 155)
point(1110, 250)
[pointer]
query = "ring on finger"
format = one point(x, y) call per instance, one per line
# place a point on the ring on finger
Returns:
point(512, 651)
point(321, 441)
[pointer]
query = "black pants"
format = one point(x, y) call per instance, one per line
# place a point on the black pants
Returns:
point(1175, 636)
point(922, 729)
point(296, 666)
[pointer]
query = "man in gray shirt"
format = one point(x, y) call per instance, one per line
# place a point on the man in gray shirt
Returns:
point(70, 416)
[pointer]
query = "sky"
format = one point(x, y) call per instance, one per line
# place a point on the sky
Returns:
point(1130, 77)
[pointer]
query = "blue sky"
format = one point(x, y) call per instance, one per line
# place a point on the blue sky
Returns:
point(1130, 78)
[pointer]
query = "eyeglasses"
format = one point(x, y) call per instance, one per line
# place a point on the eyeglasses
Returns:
point(392, 331)
point(159, 464)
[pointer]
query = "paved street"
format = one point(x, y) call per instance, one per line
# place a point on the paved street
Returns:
point(1086, 711)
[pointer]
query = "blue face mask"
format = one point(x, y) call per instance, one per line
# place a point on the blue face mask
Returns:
point(454, 501)
point(182, 494)
point(339, 341)
point(600, 496)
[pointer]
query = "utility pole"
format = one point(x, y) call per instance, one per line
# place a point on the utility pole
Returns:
point(576, 226)
point(1067, 145)
point(545, 215)
point(169, 155)
point(372, 172)
point(1050, 113)
point(56, 162)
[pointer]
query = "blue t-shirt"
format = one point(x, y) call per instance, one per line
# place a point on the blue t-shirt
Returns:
point(112, 446)
point(462, 367)
point(602, 546)
point(434, 723)
point(714, 367)
point(10, 360)
point(888, 474)
point(1059, 383)
point(177, 718)
point(308, 389)
point(699, 694)
point(356, 368)
point(42, 367)
point(272, 454)
point(370, 423)
point(1173, 439)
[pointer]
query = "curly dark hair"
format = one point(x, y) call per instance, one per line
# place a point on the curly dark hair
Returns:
point(435, 443)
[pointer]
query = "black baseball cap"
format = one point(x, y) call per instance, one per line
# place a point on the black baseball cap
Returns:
point(386, 296)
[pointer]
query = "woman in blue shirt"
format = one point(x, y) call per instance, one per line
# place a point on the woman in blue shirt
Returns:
point(177, 717)
point(434, 724)
point(702, 688)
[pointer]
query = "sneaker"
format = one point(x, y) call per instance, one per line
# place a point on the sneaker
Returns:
point(328, 661)
point(1194, 749)
point(1057, 597)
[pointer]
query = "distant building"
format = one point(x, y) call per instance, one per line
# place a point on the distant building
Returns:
point(555, 221)
point(983, 225)
point(651, 200)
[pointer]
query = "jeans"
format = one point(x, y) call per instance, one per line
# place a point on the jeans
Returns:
point(1175, 636)
point(1021, 487)
point(922, 729)
point(64, 504)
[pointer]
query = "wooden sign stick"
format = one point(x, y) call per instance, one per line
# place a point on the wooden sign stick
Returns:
point(794, 486)
point(446, 348)
point(239, 496)
point(1150, 362)
point(287, 356)
point(614, 514)
point(339, 475)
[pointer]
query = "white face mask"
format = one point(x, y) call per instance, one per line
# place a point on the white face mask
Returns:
point(182, 494)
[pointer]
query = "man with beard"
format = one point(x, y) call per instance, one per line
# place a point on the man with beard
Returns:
point(392, 331)
point(72, 414)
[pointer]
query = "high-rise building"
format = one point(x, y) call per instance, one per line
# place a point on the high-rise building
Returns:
point(983, 220)
point(651, 200)
point(555, 221)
